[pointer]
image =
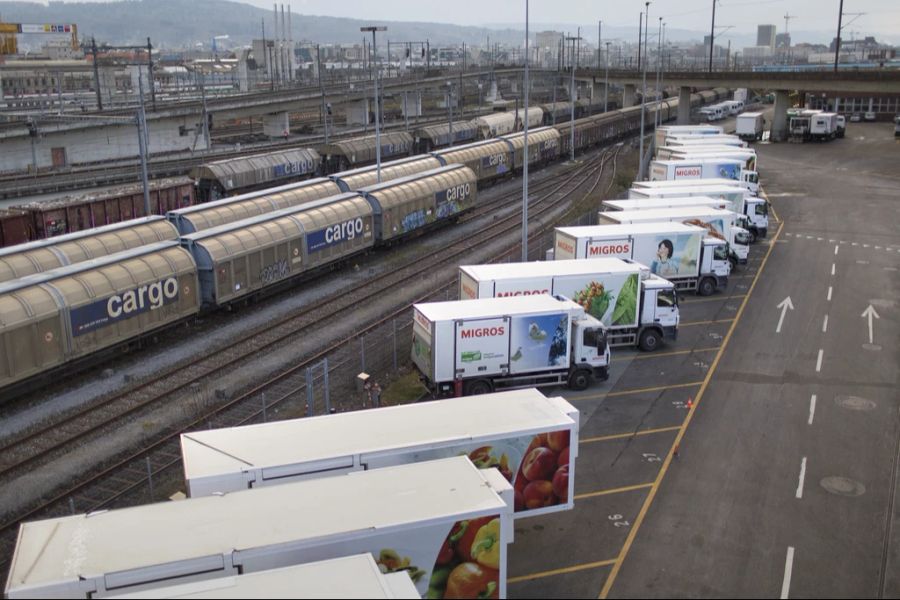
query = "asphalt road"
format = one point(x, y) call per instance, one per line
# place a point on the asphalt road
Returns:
point(743, 460)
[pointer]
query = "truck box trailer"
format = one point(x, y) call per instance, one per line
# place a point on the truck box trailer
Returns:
point(823, 126)
point(637, 307)
point(723, 168)
point(662, 133)
point(747, 156)
point(471, 347)
point(717, 221)
point(641, 203)
point(403, 516)
point(686, 255)
point(753, 211)
point(750, 125)
point(508, 431)
point(356, 576)
point(690, 139)
point(680, 183)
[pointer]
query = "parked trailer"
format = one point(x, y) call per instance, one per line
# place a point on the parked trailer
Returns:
point(350, 181)
point(746, 155)
point(472, 347)
point(63, 250)
point(253, 204)
point(684, 254)
point(241, 258)
point(749, 126)
point(62, 314)
point(664, 170)
point(674, 141)
point(718, 222)
point(662, 134)
point(401, 515)
point(665, 202)
point(638, 308)
point(681, 183)
point(504, 430)
point(355, 576)
point(221, 178)
point(754, 212)
point(823, 126)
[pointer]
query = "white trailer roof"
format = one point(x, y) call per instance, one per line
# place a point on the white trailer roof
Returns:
point(686, 162)
point(708, 191)
point(655, 203)
point(750, 115)
point(631, 229)
point(341, 437)
point(711, 150)
point(125, 543)
point(354, 576)
point(551, 268)
point(493, 307)
point(675, 183)
point(625, 216)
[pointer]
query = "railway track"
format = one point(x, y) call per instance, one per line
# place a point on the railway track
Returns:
point(106, 487)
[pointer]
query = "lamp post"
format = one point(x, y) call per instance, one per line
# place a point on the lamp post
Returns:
point(373, 29)
point(525, 152)
point(572, 96)
point(450, 111)
point(606, 84)
point(643, 98)
point(712, 36)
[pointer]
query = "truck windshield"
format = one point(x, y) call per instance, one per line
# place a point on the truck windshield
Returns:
point(741, 237)
point(595, 337)
point(762, 208)
point(666, 299)
point(753, 178)
point(720, 252)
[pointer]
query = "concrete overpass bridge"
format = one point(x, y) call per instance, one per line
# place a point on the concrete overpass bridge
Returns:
point(874, 81)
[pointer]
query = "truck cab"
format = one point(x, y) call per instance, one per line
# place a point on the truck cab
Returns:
point(715, 263)
point(756, 218)
point(750, 180)
point(660, 305)
point(739, 248)
point(590, 351)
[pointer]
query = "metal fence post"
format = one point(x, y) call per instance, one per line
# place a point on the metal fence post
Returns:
point(309, 392)
point(362, 352)
point(394, 338)
point(325, 383)
point(72, 504)
point(149, 476)
point(265, 414)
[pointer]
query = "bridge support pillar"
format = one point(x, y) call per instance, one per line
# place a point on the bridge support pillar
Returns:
point(411, 104)
point(277, 124)
point(628, 95)
point(684, 106)
point(597, 90)
point(779, 131)
point(358, 113)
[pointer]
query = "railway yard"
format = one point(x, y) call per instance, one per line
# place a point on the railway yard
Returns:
point(755, 453)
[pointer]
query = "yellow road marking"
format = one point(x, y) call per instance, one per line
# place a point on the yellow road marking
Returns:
point(772, 206)
point(564, 570)
point(712, 299)
point(661, 354)
point(607, 586)
point(621, 490)
point(636, 391)
point(619, 436)
point(691, 323)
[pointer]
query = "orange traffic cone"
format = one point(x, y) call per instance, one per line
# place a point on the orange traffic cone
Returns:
point(690, 403)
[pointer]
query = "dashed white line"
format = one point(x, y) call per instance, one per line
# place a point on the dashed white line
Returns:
point(854, 244)
point(865, 245)
point(802, 476)
point(788, 567)
point(812, 408)
point(809, 237)
point(831, 241)
point(819, 361)
point(878, 247)
point(832, 268)
point(829, 293)
point(836, 250)
point(825, 324)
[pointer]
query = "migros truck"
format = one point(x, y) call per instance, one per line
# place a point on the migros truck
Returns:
point(637, 307)
point(471, 347)
point(684, 254)
point(664, 170)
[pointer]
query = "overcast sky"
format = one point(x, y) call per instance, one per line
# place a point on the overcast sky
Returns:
point(882, 17)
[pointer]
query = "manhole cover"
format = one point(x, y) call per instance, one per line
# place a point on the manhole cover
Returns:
point(843, 486)
point(873, 347)
point(855, 403)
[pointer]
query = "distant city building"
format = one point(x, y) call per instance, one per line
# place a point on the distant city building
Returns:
point(548, 39)
point(765, 36)
point(783, 40)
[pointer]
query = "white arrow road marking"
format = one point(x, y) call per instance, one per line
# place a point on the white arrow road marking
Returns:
point(870, 312)
point(784, 305)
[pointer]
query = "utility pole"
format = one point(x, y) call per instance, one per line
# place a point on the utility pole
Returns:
point(450, 110)
point(837, 41)
point(96, 74)
point(656, 115)
point(150, 74)
point(643, 102)
point(322, 91)
point(712, 35)
point(640, 33)
point(606, 84)
point(572, 95)
point(599, 41)
point(143, 142)
point(525, 153)
point(373, 29)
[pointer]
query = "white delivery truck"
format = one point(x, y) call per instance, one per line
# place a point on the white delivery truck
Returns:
point(408, 517)
point(823, 126)
point(641, 203)
point(753, 212)
point(523, 434)
point(747, 156)
point(664, 132)
point(637, 307)
point(356, 576)
point(750, 126)
point(471, 347)
point(705, 140)
point(717, 221)
point(684, 254)
point(723, 168)
point(679, 183)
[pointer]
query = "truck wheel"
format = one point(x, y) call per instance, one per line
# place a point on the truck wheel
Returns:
point(650, 340)
point(752, 236)
point(478, 387)
point(579, 380)
point(707, 286)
